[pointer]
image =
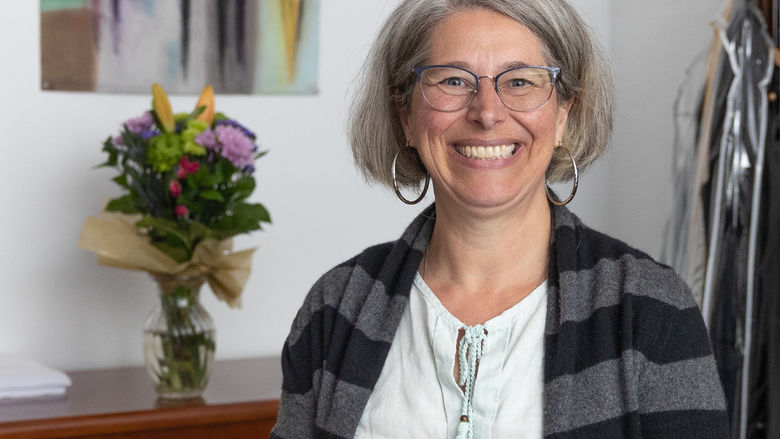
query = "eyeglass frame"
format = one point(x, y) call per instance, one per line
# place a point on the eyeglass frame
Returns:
point(554, 71)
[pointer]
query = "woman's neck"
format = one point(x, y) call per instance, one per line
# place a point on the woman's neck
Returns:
point(493, 260)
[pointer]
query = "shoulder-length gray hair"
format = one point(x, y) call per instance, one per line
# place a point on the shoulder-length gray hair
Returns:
point(387, 83)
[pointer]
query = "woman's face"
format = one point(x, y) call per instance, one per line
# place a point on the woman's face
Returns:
point(486, 43)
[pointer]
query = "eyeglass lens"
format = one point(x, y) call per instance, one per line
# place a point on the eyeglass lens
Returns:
point(452, 88)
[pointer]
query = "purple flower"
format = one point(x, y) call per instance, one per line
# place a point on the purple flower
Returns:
point(208, 140)
point(140, 124)
point(235, 124)
point(118, 140)
point(148, 134)
point(236, 146)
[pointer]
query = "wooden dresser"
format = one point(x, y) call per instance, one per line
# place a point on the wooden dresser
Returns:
point(240, 401)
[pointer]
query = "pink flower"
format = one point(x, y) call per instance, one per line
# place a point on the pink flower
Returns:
point(175, 188)
point(181, 211)
point(187, 167)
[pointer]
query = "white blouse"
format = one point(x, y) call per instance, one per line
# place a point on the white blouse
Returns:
point(416, 395)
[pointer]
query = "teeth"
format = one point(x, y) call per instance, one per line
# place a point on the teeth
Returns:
point(487, 152)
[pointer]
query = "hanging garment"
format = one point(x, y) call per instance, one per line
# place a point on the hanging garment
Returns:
point(764, 400)
point(736, 167)
point(687, 118)
point(685, 247)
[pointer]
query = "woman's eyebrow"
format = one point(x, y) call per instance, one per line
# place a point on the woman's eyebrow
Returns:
point(504, 67)
point(515, 65)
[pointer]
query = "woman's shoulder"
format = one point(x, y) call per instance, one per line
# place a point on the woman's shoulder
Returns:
point(609, 284)
point(636, 275)
point(346, 287)
point(342, 290)
point(355, 273)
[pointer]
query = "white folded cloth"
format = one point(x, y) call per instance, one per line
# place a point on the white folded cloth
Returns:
point(22, 377)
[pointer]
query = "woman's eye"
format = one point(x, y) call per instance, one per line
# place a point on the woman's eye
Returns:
point(519, 83)
point(454, 82)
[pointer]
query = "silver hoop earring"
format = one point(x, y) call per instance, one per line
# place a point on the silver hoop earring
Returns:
point(395, 182)
point(550, 197)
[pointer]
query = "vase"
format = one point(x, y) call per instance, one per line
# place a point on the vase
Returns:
point(179, 339)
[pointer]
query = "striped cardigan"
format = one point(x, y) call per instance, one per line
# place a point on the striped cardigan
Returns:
point(626, 351)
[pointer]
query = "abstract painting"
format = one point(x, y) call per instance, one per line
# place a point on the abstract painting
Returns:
point(124, 46)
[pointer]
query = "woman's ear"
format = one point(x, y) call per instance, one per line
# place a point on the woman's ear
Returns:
point(560, 123)
point(403, 116)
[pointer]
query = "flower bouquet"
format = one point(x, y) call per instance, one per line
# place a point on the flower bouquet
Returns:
point(186, 179)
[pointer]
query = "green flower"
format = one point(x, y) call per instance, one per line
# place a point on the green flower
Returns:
point(198, 125)
point(194, 127)
point(165, 151)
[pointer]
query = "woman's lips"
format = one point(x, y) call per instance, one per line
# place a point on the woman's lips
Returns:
point(487, 152)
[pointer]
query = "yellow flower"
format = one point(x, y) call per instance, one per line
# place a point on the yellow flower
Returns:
point(206, 100)
point(162, 109)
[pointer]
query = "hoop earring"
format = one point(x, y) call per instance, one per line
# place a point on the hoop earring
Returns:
point(574, 186)
point(395, 182)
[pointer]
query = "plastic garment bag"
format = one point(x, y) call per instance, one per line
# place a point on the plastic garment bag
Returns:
point(685, 244)
point(737, 156)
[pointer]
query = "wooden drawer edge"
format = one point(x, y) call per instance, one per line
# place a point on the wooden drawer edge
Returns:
point(142, 420)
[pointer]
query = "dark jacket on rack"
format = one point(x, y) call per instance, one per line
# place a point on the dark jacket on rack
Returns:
point(626, 351)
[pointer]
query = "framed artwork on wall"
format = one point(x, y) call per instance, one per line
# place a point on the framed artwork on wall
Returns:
point(124, 46)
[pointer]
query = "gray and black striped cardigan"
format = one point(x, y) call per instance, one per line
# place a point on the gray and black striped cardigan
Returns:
point(626, 351)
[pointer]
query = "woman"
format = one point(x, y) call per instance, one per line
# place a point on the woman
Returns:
point(497, 313)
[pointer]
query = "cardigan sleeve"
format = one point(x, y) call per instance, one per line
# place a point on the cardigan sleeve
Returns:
point(302, 362)
point(297, 406)
point(317, 339)
point(679, 387)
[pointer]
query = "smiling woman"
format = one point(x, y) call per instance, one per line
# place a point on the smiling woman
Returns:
point(497, 313)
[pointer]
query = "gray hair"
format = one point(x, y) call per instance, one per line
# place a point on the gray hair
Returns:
point(585, 81)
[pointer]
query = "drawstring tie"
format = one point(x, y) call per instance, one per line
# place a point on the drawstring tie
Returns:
point(469, 351)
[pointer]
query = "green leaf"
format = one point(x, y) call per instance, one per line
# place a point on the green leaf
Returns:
point(212, 180)
point(192, 180)
point(121, 180)
point(244, 187)
point(256, 212)
point(168, 228)
point(206, 179)
point(199, 231)
point(124, 204)
point(260, 154)
point(178, 254)
point(211, 195)
point(196, 112)
point(111, 150)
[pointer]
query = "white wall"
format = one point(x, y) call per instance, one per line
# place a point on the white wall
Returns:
point(58, 306)
point(654, 43)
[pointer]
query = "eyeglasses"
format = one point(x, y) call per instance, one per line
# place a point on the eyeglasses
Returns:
point(451, 88)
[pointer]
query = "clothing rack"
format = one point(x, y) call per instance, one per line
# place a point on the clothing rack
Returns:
point(724, 235)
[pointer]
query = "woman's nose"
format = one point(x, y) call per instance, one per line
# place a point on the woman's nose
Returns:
point(486, 108)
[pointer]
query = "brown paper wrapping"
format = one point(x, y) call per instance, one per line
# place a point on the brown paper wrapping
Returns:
point(116, 241)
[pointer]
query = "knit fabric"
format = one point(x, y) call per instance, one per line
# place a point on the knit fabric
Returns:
point(626, 351)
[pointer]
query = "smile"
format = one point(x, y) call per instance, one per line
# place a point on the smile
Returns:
point(496, 152)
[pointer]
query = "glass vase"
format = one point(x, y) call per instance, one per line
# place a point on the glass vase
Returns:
point(179, 339)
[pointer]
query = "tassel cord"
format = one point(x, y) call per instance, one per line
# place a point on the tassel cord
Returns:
point(470, 351)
